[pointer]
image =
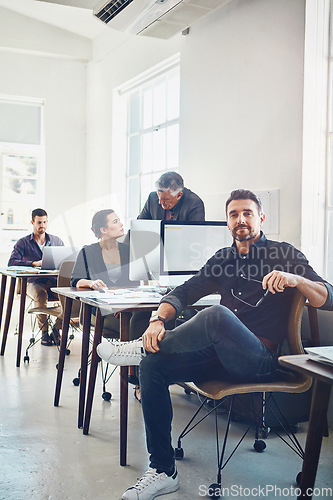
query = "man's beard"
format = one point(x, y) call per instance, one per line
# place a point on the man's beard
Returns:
point(247, 237)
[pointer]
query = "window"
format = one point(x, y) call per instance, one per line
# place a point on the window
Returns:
point(152, 133)
point(22, 175)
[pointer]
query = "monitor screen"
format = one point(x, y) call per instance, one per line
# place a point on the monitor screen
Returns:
point(186, 247)
point(144, 249)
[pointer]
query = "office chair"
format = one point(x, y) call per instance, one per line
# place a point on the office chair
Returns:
point(27, 307)
point(110, 335)
point(56, 311)
point(221, 392)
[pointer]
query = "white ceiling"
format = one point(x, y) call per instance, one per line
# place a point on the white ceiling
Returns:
point(77, 20)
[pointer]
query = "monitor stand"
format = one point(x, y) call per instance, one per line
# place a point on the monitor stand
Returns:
point(171, 281)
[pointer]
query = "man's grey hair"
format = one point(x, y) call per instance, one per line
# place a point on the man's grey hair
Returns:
point(170, 181)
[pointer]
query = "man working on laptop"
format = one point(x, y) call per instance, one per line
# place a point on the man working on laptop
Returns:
point(28, 251)
point(257, 279)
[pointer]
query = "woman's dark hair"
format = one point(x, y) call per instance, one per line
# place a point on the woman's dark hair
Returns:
point(244, 194)
point(100, 220)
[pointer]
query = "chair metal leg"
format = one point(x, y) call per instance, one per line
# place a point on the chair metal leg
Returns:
point(256, 422)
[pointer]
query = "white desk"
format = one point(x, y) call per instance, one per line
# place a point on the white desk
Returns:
point(126, 308)
point(23, 275)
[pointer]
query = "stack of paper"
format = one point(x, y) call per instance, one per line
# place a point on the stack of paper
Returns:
point(23, 269)
point(321, 354)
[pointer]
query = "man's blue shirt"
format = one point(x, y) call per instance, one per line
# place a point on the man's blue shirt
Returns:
point(26, 251)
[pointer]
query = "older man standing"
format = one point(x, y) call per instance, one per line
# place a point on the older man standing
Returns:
point(28, 252)
point(173, 201)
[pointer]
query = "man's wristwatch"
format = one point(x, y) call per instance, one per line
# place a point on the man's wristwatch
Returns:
point(156, 317)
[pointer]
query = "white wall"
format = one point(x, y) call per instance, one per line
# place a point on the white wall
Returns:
point(242, 81)
point(241, 103)
point(112, 66)
point(23, 34)
point(61, 81)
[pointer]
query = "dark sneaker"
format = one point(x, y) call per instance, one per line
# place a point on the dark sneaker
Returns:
point(55, 336)
point(46, 339)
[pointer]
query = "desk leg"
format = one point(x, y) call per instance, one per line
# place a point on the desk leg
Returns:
point(21, 319)
point(63, 345)
point(319, 406)
point(8, 314)
point(2, 294)
point(93, 370)
point(84, 361)
point(124, 336)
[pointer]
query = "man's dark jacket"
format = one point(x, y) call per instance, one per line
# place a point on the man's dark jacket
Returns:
point(189, 207)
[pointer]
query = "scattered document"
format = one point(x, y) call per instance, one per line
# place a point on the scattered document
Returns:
point(23, 269)
point(321, 354)
point(30, 270)
point(139, 295)
point(127, 296)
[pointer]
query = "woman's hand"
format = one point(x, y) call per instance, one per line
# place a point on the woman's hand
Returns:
point(97, 284)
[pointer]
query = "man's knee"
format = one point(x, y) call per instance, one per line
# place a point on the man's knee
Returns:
point(218, 321)
point(38, 294)
point(219, 313)
point(149, 366)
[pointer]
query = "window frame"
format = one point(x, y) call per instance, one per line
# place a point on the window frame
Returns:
point(11, 233)
point(122, 133)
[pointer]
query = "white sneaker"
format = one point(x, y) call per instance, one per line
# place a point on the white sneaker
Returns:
point(121, 353)
point(151, 485)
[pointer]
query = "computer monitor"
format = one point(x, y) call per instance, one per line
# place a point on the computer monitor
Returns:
point(186, 247)
point(144, 249)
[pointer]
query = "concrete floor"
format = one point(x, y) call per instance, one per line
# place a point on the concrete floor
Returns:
point(44, 456)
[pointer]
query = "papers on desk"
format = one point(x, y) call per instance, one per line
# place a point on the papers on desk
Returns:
point(138, 295)
point(130, 297)
point(123, 296)
point(321, 354)
point(30, 270)
point(23, 269)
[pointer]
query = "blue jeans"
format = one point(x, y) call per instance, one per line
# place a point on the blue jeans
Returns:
point(213, 343)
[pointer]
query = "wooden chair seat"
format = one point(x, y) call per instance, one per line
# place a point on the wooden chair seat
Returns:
point(286, 381)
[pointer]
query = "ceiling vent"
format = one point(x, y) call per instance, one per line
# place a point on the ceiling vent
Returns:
point(155, 18)
point(111, 9)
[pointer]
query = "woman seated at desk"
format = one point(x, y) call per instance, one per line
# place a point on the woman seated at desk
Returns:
point(106, 264)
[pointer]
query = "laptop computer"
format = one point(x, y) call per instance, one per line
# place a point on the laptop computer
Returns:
point(53, 256)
